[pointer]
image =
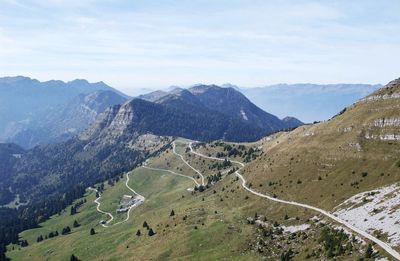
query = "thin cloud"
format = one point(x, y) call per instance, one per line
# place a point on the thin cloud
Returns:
point(160, 43)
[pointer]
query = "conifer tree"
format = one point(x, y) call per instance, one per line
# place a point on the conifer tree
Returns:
point(145, 225)
point(74, 258)
point(151, 232)
point(76, 224)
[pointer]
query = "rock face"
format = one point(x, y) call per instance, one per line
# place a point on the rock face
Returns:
point(50, 111)
point(168, 119)
point(386, 122)
point(388, 92)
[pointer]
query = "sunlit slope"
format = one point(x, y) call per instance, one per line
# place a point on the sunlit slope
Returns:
point(214, 224)
point(325, 163)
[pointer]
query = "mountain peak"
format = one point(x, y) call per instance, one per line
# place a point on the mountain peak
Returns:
point(292, 122)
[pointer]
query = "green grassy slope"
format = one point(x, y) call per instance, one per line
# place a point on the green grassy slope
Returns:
point(325, 163)
point(211, 225)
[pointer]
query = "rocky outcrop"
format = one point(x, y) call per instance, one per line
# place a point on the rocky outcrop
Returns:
point(387, 92)
point(383, 137)
point(386, 122)
point(381, 97)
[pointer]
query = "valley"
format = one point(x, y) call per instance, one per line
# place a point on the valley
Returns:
point(171, 182)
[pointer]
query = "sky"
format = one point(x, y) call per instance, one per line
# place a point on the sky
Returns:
point(141, 44)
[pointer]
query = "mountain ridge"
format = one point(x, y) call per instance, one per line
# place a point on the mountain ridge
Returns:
point(225, 100)
point(46, 110)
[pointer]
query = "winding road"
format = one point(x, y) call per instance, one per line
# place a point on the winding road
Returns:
point(187, 163)
point(99, 210)
point(173, 173)
point(382, 244)
point(140, 201)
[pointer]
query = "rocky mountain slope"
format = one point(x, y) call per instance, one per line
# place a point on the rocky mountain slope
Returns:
point(326, 163)
point(64, 121)
point(139, 117)
point(225, 102)
point(33, 112)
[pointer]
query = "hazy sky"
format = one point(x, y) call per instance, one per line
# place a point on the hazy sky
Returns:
point(154, 44)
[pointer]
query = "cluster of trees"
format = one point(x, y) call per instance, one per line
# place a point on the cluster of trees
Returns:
point(221, 165)
point(287, 255)
point(50, 235)
point(233, 151)
point(7, 161)
point(13, 221)
point(335, 242)
point(200, 188)
point(150, 231)
point(74, 208)
point(114, 180)
point(66, 230)
point(212, 179)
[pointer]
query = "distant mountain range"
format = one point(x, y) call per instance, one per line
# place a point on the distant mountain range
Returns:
point(33, 112)
point(55, 111)
point(215, 113)
point(307, 102)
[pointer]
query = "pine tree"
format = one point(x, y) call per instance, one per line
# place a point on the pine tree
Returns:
point(74, 258)
point(76, 224)
point(151, 232)
point(66, 230)
point(138, 233)
point(39, 239)
point(370, 251)
point(92, 232)
point(73, 210)
point(24, 243)
point(172, 213)
point(145, 225)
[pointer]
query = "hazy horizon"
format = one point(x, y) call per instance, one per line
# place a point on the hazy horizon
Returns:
point(157, 44)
